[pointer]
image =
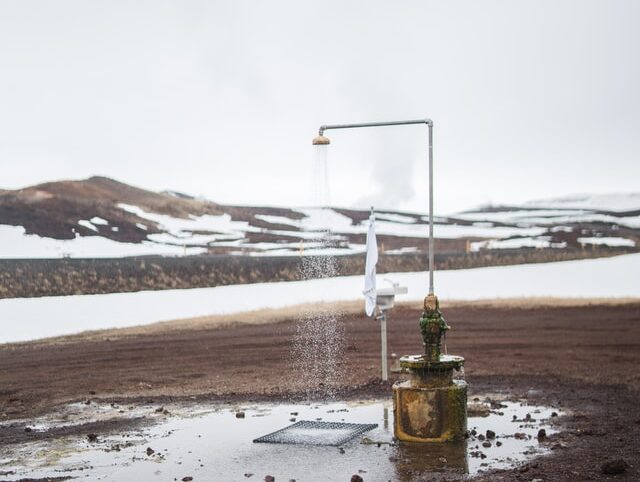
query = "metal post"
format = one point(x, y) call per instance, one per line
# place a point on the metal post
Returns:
point(383, 339)
point(431, 208)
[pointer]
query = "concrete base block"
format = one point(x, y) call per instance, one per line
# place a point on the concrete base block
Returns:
point(430, 414)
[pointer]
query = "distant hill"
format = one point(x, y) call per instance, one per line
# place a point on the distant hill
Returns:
point(101, 217)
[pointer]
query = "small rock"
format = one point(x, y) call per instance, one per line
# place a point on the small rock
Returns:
point(520, 436)
point(188, 478)
point(527, 417)
point(295, 414)
point(481, 437)
point(159, 409)
point(478, 410)
point(150, 451)
point(490, 434)
point(486, 444)
point(269, 478)
point(498, 443)
point(554, 414)
point(542, 433)
point(241, 415)
point(614, 467)
point(248, 474)
point(292, 419)
point(341, 450)
point(92, 437)
point(356, 478)
point(28, 429)
point(473, 432)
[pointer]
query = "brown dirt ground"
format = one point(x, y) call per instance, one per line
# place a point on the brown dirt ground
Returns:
point(579, 356)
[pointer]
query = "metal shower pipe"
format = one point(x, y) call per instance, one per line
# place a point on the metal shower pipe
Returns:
point(429, 123)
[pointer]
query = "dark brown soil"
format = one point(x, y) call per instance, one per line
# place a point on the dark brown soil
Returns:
point(583, 359)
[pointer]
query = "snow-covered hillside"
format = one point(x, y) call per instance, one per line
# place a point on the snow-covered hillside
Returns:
point(100, 217)
point(617, 202)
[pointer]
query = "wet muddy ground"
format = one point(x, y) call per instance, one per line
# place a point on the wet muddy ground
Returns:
point(214, 441)
point(581, 358)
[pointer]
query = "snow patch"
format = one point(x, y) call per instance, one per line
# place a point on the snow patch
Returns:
point(98, 220)
point(88, 225)
point(34, 318)
point(608, 241)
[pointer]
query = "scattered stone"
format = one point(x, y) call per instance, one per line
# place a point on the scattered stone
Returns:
point(614, 467)
point(239, 414)
point(542, 433)
point(150, 451)
point(474, 432)
point(490, 434)
point(269, 478)
point(478, 410)
point(498, 443)
point(92, 437)
point(486, 444)
point(188, 478)
point(356, 478)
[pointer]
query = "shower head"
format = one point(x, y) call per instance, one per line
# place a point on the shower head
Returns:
point(321, 141)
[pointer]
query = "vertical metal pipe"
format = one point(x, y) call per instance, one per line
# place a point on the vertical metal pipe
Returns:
point(431, 208)
point(383, 341)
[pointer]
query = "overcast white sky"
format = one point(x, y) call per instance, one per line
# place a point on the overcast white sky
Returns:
point(222, 98)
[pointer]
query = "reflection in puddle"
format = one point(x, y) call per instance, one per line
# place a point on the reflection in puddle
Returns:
point(215, 441)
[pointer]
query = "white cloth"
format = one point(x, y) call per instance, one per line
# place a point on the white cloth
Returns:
point(370, 268)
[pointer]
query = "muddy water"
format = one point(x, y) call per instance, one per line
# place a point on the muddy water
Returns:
point(212, 443)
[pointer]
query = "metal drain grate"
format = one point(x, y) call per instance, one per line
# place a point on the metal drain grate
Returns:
point(306, 432)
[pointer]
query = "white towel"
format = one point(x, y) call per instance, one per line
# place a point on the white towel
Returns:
point(370, 268)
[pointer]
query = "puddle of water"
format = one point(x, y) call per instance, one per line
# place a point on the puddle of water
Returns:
point(210, 441)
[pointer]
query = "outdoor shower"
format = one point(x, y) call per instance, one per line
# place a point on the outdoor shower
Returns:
point(431, 406)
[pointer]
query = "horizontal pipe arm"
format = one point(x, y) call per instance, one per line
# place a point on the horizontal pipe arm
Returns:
point(323, 128)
